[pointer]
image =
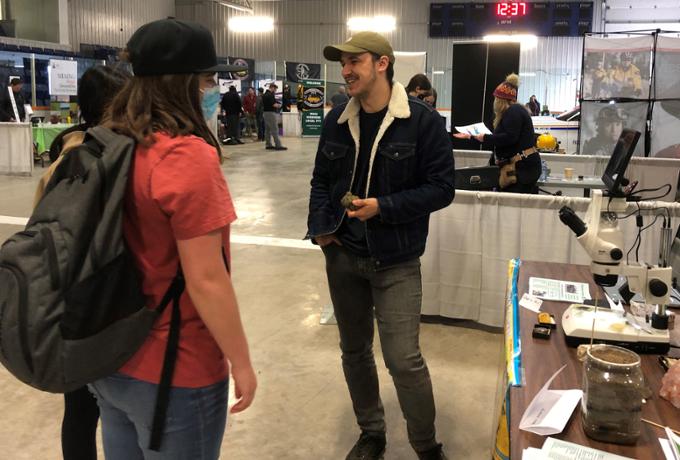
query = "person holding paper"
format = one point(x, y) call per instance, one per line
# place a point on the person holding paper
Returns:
point(6, 108)
point(512, 140)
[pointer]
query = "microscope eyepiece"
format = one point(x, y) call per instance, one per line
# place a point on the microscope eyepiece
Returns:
point(571, 220)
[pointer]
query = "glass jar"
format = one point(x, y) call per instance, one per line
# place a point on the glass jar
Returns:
point(612, 394)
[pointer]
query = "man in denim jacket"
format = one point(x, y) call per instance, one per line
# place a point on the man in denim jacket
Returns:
point(393, 152)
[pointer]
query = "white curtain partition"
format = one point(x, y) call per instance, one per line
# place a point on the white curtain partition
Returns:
point(470, 242)
point(407, 64)
point(16, 149)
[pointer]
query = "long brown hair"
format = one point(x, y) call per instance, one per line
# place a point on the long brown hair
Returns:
point(500, 106)
point(167, 103)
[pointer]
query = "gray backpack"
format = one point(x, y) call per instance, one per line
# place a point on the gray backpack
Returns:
point(71, 304)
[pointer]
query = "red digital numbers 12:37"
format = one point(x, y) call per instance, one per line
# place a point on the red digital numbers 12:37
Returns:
point(513, 9)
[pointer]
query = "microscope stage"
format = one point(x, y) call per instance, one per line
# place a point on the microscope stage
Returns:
point(612, 327)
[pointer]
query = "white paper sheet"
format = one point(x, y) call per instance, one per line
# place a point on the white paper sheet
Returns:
point(531, 302)
point(550, 410)
point(556, 449)
point(667, 449)
point(531, 453)
point(563, 291)
point(473, 130)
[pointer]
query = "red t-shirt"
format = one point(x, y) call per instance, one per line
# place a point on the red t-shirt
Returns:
point(176, 192)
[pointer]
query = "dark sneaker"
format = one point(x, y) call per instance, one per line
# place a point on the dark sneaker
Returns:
point(436, 453)
point(270, 147)
point(280, 147)
point(368, 447)
point(239, 141)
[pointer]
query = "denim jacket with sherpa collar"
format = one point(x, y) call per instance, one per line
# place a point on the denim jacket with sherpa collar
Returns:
point(411, 173)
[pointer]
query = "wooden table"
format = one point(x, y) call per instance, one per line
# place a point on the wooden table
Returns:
point(542, 358)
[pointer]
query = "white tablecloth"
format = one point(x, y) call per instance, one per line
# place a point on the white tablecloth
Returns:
point(291, 124)
point(16, 149)
point(470, 242)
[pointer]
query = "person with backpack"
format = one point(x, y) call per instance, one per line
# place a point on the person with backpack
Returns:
point(177, 212)
point(96, 88)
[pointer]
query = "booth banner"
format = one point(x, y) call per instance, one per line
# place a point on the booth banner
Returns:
point(312, 111)
point(242, 74)
point(63, 78)
point(299, 71)
point(225, 84)
point(617, 67)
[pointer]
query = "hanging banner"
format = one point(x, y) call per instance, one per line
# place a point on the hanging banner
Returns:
point(225, 84)
point(242, 74)
point(313, 99)
point(298, 71)
point(63, 78)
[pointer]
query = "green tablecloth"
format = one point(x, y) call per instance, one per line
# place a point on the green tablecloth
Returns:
point(43, 135)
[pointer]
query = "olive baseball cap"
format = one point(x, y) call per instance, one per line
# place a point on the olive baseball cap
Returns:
point(171, 46)
point(361, 42)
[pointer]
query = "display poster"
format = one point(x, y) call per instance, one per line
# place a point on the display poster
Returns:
point(665, 135)
point(313, 99)
point(617, 67)
point(63, 78)
point(667, 68)
point(601, 125)
point(225, 84)
point(296, 72)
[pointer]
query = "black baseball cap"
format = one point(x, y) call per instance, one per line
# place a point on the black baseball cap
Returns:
point(172, 46)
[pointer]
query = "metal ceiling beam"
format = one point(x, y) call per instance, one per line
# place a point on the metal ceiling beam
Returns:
point(240, 5)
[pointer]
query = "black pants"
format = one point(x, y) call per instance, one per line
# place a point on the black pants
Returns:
point(79, 427)
point(234, 127)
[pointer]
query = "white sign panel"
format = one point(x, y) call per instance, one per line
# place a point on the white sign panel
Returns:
point(63, 78)
point(225, 84)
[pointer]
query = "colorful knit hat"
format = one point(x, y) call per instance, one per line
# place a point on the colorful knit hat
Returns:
point(508, 89)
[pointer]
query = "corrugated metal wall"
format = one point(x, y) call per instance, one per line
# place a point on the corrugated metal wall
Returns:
point(304, 27)
point(112, 22)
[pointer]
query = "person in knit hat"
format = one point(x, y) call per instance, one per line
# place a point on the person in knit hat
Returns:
point(512, 140)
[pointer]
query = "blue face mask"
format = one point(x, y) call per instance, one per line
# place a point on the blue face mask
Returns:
point(210, 102)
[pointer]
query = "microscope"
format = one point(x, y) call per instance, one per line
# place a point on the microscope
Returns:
point(602, 239)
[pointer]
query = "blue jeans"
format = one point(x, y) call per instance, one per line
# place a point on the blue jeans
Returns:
point(394, 293)
point(194, 427)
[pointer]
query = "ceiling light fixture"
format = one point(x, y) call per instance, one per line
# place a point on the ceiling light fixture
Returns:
point(251, 24)
point(529, 41)
point(375, 23)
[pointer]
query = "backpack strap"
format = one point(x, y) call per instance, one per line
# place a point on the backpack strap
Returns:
point(173, 293)
point(102, 135)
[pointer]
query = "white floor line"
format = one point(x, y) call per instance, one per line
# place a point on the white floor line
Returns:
point(9, 220)
point(237, 239)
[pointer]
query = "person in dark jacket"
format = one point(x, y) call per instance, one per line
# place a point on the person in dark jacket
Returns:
point(271, 128)
point(231, 104)
point(512, 140)
point(534, 106)
point(259, 114)
point(392, 152)
point(6, 109)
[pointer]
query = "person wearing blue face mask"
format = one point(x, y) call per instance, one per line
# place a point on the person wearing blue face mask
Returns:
point(177, 212)
point(211, 101)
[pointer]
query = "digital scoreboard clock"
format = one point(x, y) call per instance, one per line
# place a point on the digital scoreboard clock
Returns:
point(511, 9)
point(558, 19)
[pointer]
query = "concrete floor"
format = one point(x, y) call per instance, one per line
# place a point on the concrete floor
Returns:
point(302, 409)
